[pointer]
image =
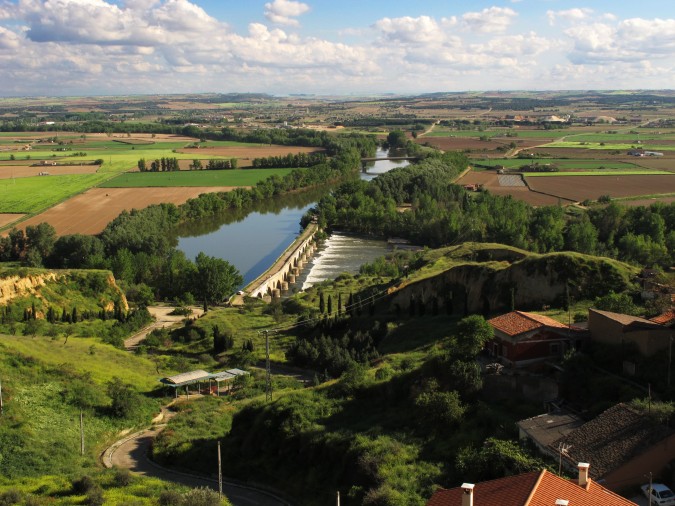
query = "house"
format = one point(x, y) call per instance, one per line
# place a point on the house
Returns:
point(521, 338)
point(537, 488)
point(622, 445)
point(616, 329)
point(666, 319)
point(544, 430)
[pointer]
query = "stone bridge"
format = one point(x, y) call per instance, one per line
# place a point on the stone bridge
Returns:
point(278, 278)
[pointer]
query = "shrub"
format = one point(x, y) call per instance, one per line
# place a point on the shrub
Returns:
point(10, 497)
point(123, 477)
point(95, 496)
point(83, 485)
point(201, 497)
point(170, 498)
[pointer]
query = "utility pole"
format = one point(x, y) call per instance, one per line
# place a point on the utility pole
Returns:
point(268, 371)
point(1, 404)
point(650, 488)
point(81, 434)
point(220, 474)
point(670, 358)
point(338, 498)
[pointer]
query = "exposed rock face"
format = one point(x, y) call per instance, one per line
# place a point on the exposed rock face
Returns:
point(15, 286)
point(529, 282)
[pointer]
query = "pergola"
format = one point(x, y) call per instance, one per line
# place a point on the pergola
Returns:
point(198, 377)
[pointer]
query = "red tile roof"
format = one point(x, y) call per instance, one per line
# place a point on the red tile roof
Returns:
point(665, 318)
point(519, 322)
point(531, 489)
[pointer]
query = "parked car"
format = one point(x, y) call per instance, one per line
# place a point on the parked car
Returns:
point(661, 495)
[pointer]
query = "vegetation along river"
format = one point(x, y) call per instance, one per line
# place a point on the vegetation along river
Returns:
point(253, 240)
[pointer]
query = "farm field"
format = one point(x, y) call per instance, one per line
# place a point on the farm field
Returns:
point(600, 172)
point(191, 178)
point(245, 151)
point(10, 171)
point(7, 218)
point(90, 212)
point(646, 202)
point(609, 146)
point(591, 187)
point(562, 163)
point(34, 194)
point(490, 182)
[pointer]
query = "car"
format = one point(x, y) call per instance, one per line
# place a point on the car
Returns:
point(661, 495)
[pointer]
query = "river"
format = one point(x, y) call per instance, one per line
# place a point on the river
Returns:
point(253, 241)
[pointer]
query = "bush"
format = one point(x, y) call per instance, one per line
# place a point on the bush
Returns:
point(123, 477)
point(10, 497)
point(170, 498)
point(95, 497)
point(83, 485)
point(201, 497)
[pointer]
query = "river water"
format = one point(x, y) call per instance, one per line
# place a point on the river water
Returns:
point(252, 241)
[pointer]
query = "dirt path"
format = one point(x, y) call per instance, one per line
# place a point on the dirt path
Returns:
point(132, 453)
point(162, 319)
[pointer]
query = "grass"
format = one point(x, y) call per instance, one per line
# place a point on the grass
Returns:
point(102, 361)
point(606, 172)
point(241, 177)
point(34, 194)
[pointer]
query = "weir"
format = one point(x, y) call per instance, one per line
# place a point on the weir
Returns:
point(283, 273)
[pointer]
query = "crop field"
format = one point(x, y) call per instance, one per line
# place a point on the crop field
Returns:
point(91, 211)
point(11, 171)
point(609, 146)
point(33, 194)
point(562, 163)
point(8, 218)
point(248, 177)
point(591, 187)
point(605, 172)
point(213, 149)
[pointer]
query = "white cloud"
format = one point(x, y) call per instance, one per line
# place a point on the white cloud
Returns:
point(410, 30)
point(489, 20)
point(284, 12)
point(570, 15)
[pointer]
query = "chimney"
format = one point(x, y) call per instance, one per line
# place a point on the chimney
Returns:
point(583, 473)
point(467, 496)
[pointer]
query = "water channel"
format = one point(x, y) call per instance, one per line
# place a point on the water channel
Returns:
point(252, 241)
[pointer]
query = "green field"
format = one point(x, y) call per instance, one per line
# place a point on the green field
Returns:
point(645, 172)
point(608, 146)
point(562, 163)
point(34, 194)
point(241, 177)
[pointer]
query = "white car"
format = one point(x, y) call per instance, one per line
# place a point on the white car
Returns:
point(661, 495)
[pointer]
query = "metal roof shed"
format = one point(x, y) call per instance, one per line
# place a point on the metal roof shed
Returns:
point(185, 379)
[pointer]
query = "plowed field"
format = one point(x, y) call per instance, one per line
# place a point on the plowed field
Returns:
point(89, 212)
point(7, 218)
point(10, 171)
point(580, 188)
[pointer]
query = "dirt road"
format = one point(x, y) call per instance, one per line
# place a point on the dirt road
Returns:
point(162, 319)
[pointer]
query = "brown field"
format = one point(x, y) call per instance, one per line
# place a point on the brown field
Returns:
point(591, 187)
point(10, 171)
point(7, 218)
point(646, 202)
point(490, 182)
point(89, 212)
point(460, 143)
point(247, 152)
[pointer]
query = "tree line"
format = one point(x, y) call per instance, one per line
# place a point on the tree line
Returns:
point(158, 165)
point(438, 213)
point(290, 160)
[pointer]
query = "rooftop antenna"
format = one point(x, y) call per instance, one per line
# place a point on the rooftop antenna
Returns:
point(563, 449)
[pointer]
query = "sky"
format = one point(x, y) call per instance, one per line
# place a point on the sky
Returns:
point(332, 47)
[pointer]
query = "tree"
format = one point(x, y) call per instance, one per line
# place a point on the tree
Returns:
point(397, 139)
point(216, 278)
point(617, 303)
point(472, 334)
point(123, 396)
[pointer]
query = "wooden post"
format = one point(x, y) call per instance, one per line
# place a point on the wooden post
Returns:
point(220, 474)
point(81, 434)
point(1, 404)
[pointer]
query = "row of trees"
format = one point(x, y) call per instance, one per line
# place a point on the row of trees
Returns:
point(159, 165)
point(290, 160)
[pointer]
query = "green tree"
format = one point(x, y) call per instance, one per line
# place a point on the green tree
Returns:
point(472, 334)
point(397, 139)
point(123, 396)
point(617, 303)
point(215, 280)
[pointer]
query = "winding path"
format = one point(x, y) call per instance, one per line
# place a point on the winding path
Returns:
point(132, 453)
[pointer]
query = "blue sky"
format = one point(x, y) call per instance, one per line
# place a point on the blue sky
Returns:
point(329, 47)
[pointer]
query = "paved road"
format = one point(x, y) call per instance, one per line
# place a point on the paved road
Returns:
point(132, 453)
